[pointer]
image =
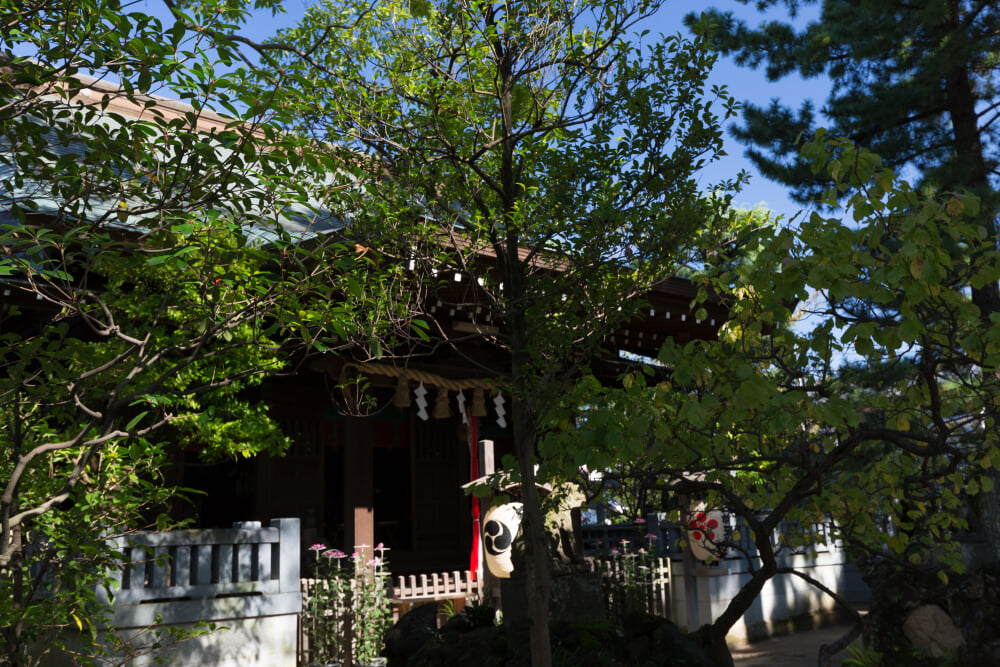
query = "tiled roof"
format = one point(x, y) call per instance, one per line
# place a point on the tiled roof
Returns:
point(300, 219)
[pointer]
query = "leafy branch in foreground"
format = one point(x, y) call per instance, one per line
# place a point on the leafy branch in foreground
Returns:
point(156, 260)
point(763, 421)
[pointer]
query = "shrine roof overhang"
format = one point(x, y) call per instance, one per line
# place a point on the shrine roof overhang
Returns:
point(663, 312)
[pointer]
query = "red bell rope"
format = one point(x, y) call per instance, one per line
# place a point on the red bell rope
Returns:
point(474, 469)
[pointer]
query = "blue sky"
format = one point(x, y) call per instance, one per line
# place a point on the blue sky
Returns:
point(747, 84)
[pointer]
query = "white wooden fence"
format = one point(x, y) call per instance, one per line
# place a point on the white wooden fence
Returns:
point(244, 580)
point(437, 586)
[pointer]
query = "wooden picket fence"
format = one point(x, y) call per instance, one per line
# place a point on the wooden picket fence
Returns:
point(634, 582)
point(407, 592)
point(414, 590)
point(438, 586)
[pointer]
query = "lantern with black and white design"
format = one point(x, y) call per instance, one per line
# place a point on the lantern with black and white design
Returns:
point(500, 527)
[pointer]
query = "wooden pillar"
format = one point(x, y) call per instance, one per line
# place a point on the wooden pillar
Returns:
point(690, 583)
point(487, 466)
point(487, 463)
point(359, 488)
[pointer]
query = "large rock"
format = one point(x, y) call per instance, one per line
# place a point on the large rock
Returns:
point(577, 597)
point(932, 631)
point(414, 629)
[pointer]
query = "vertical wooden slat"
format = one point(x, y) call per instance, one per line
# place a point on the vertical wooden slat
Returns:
point(359, 487)
point(203, 571)
point(263, 562)
point(137, 571)
point(224, 564)
point(242, 562)
point(180, 574)
point(158, 568)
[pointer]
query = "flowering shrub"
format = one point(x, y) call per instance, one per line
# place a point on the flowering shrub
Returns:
point(372, 614)
point(347, 601)
point(326, 605)
point(627, 578)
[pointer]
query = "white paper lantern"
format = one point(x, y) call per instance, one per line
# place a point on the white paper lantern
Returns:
point(500, 526)
point(706, 533)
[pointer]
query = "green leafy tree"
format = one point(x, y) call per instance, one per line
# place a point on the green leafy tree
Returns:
point(915, 82)
point(548, 149)
point(762, 422)
point(156, 259)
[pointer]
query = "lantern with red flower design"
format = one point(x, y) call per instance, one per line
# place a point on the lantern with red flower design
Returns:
point(706, 533)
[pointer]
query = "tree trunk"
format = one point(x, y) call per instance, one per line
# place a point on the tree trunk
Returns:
point(713, 637)
point(971, 173)
point(538, 575)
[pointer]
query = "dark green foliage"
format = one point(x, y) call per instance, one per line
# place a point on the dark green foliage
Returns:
point(642, 640)
point(762, 423)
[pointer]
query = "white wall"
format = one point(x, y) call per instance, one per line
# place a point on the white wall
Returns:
point(784, 599)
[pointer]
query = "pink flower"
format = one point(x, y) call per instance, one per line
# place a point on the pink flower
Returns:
point(380, 546)
point(641, 550)
point(334, 553)
point(640, 520)
point(652, 536)
point(374, 561)
point(317, 547)
point(615, 552)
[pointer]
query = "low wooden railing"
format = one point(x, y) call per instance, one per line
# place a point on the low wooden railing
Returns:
point(414, 590)
point(204, 564)
point(437, 586)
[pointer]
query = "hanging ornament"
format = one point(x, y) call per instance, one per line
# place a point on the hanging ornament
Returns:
point(498, 402)
point(421, 395)
point(402, 398)
point(707, 533)
point(478, 404)
point(441, 410)
point(460, 399)
point(500, 527)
